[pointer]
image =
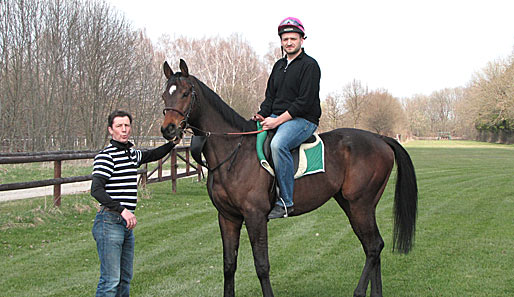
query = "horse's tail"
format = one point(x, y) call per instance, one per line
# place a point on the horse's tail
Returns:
point(405, 199)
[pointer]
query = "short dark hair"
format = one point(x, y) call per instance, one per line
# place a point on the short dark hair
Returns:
point(118, 113)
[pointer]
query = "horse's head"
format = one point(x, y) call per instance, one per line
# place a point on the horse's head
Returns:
point(179, 98)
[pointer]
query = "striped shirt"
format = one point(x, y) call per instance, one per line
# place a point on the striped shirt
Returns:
point(119, 167)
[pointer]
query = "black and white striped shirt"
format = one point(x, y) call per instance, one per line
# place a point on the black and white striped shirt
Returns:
point(114, 182)
point(119, 166)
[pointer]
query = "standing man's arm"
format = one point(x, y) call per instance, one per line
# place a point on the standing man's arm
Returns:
point(98, 192)
point(157, 153)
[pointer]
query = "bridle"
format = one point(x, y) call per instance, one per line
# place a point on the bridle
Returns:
point(184, 114)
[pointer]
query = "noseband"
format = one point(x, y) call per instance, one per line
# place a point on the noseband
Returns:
point(184, 114)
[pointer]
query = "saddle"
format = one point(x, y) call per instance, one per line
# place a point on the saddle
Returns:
point(308, 158)
point(266, 148)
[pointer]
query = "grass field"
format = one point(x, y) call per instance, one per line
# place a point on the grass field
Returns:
point(464, 239)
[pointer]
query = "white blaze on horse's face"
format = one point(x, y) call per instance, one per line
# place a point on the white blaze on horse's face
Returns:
point(172, 89)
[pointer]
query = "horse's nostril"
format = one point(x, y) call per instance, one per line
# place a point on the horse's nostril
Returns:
point(169, 131)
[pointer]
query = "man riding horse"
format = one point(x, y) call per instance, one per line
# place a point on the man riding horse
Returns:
point(292, 106)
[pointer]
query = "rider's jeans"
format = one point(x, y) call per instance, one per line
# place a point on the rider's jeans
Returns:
point(289, 135)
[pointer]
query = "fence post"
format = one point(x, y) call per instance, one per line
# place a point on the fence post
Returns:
point(174, 171)
point(144, 176)
point(199, 172)
point(57, 188)
point(187, 161)
point(159, 170)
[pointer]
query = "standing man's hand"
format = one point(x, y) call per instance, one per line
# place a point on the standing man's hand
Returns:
point(130, 218)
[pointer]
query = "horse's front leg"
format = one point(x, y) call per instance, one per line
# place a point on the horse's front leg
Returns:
point(230, 233)
point(256, 225)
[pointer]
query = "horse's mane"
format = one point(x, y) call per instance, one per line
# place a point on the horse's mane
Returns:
point(227, 112)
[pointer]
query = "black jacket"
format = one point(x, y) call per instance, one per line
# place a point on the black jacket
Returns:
point(295, 88)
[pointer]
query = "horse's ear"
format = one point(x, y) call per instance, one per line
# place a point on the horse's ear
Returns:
point(167, 70)
point(183, 68)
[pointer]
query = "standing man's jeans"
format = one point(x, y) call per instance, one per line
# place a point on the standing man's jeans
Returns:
point(289, 135)
point(115, 244)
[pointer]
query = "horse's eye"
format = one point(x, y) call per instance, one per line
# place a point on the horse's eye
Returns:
point(172, 89)
point(186, 94)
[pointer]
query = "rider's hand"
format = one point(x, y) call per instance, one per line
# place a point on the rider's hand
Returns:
point(257, 117)
point(270, 123)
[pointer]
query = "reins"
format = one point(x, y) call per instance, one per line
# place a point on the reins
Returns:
point(208, 133)
point(197, 145)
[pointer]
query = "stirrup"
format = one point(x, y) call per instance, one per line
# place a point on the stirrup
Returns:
point(285, 207)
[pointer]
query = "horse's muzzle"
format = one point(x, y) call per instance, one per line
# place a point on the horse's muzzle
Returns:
point(171, 132)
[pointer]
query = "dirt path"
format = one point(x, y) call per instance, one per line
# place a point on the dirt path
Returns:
point(66, 189)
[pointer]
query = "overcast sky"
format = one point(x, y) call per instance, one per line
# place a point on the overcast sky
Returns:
point(407, 47)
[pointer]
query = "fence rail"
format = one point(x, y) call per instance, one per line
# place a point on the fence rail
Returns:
point(58, 156)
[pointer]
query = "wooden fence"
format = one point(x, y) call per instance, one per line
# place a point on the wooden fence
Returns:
point(59, 156)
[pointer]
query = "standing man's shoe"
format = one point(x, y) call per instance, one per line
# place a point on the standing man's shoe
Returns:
point(280, 212)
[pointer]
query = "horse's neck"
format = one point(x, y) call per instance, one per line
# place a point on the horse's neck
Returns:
point(211, 120)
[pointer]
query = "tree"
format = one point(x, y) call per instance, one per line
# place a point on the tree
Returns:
point(443, 105)
point(332, 115)
point(228, 66)
point(384, 113)
point(416, 110)
point(272, 56)
point(428, 115)
point(491, 96)
point(64, 66)
point(465, 117)
point(355, 101)
point(144, 97)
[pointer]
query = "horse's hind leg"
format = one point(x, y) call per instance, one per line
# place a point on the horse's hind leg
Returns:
point(362, 219)
point(230, 234)
point(364, 225)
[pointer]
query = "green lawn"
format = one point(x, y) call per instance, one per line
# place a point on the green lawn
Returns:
point(464, 238)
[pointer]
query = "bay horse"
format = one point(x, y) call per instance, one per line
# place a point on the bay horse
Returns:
point(358, 166)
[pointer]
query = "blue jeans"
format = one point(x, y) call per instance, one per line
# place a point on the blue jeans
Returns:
point(289, 135)
point(115, 245)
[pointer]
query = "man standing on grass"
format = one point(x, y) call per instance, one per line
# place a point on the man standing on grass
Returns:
point(114, 185)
